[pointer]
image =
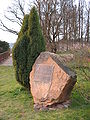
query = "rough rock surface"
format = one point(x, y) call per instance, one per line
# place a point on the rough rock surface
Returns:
point(51, 82)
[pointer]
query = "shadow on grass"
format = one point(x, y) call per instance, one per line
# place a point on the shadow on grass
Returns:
point(18, 92)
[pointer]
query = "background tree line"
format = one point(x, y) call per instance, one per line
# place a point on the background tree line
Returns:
point(4, 46)
point(60, 20)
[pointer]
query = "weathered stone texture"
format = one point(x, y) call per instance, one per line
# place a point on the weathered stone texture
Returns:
point(51, 82)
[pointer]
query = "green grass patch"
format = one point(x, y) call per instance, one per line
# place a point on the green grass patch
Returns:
point(17, 104)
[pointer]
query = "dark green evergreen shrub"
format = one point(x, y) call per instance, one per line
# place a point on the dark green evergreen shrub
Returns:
point(4, 46)
point(19, 54)
point(28, 46)
point(37, 43)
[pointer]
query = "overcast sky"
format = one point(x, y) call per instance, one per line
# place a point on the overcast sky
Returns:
point(6, 36)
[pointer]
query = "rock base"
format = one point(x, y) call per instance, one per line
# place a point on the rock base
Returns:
point(66, 104)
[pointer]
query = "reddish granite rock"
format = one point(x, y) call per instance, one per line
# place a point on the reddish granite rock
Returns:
point(51, 82)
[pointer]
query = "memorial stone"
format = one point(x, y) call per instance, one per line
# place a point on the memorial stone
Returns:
point(51, 82)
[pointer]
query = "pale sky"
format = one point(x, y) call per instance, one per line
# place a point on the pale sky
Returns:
point(6, 36)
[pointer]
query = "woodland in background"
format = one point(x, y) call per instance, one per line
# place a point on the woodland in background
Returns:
point(65, 24)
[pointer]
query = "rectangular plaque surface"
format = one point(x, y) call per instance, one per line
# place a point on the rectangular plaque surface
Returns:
point(43, 73)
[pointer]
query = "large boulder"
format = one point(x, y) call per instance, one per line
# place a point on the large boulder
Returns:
point(51, 82)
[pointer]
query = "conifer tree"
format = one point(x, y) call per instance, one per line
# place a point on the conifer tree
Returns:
point(20, 54)
point(28, 46)
point(37, 43)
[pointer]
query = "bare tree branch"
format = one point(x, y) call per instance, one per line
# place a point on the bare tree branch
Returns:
point(5, 28)
point(14, 14)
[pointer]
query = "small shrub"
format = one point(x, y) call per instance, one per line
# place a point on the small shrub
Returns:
point(4, 46)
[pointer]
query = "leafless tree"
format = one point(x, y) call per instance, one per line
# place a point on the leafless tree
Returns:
point(14, 14)
point(50, 12)
point(59, 19)
point(84, 27)
point(87, 35)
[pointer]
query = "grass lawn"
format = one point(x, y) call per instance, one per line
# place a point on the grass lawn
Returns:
point(17, 104)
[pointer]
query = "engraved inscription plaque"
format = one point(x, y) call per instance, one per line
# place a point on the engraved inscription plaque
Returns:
point(43, 73)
